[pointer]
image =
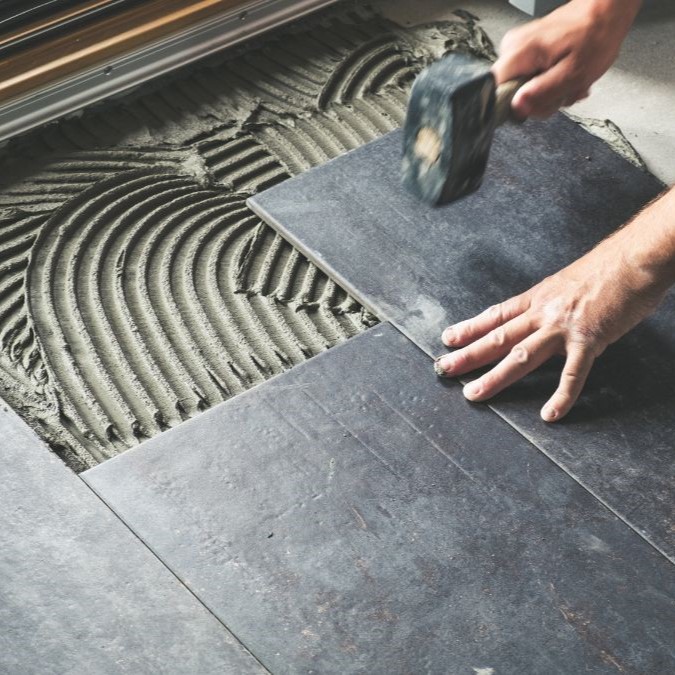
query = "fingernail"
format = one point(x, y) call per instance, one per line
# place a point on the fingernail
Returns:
point(549, 413)
point(443, 365)
point(472, 390)
point(448, 336)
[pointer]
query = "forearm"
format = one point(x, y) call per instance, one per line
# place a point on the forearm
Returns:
point(647, 242)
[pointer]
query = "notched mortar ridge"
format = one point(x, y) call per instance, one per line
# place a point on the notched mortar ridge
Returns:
point(246, 304)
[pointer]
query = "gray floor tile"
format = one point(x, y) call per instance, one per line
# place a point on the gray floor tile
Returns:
point(79, 593)
point(551, 191)
point(357, 515)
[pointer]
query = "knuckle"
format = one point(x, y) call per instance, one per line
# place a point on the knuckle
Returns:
point(486, 383)
point(574, 68)
point(594, 346)
point(496, 313)
point(540, 55)
point(586, 336)
point(459, 359)
point(450, 335)
point(520, 354)
point(498, 336)
point(460, 334)
point(572, 376)
point(512, 40)
point(528, 97)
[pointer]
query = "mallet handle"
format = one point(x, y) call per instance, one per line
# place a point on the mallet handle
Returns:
point(503, 97)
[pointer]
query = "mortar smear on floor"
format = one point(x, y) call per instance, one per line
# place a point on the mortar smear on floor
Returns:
point(136, 288)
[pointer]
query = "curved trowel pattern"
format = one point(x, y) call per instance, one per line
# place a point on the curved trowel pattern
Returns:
point(136, 288)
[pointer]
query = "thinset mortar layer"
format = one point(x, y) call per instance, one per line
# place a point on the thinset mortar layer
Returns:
point(136, 288)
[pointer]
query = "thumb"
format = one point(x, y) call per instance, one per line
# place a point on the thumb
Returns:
point(544, 94)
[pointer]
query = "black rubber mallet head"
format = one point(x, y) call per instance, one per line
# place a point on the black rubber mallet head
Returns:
point(454, 109)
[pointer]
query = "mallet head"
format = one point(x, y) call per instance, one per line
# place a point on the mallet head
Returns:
point(449, 128)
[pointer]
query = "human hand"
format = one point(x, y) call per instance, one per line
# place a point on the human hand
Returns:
point(577, 312)
point(564, 53)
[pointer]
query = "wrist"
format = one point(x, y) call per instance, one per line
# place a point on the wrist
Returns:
point(619, 14)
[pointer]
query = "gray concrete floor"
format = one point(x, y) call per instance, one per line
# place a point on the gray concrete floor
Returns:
point(637, 93)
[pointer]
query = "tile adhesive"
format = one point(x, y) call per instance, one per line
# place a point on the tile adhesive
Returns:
point(136, 287)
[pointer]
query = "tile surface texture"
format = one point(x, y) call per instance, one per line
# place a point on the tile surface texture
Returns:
point(357, 515)
point(79, 593)
point(550, 193)
point(542, 204)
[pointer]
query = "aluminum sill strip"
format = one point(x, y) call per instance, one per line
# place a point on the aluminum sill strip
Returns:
point(107, 79)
